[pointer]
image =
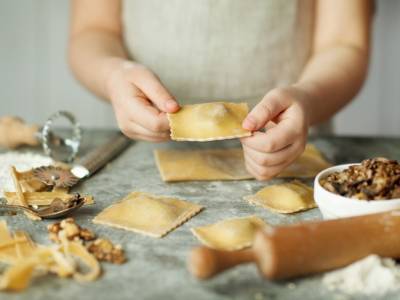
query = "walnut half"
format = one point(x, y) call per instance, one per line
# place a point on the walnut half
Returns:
point(71, 230)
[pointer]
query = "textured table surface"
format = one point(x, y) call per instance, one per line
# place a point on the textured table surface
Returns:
point(157, 267)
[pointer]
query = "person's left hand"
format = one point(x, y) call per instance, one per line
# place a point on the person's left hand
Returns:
point(283, 114)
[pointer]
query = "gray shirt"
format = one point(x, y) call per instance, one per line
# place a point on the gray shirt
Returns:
point(209, 50)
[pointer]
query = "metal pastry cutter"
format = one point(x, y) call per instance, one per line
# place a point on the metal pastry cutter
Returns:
point(55, 145)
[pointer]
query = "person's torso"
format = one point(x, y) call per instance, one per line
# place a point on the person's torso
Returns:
point(212, 50)
point(208, 50)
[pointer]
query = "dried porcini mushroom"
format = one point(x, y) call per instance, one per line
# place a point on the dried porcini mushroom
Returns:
point(75, 200)
point(374, 179)
point(58, 204)
point(102, 249)
point(26, 194)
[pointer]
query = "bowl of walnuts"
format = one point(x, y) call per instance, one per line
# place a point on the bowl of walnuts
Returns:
point(371, 186)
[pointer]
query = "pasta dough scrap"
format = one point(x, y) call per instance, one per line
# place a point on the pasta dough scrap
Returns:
point(25, 259)
point(209, 122)
point(4, 232)
point(18, 277)
point(308, 164)
point(75, 249)
point(61, 261)
point(209, 164)
point(227, 164)
point(24, 245)
point(29, 183)
point(14, 247)
point(284, 198)
point(148, 214)
point(6, 253)
point(43, 198)
point(18, 189)
point(230, 234)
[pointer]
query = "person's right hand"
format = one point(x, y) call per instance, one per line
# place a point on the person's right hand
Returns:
point(140, 102)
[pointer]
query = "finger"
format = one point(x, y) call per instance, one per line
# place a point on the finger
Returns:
point(140, 111)
point(271, 159)
point(270, 125)
point(257, 171)
point(269, 108)
point(136, 136)
point(138, 129)
point(274, 139)
point(131, 102)
point(148, 138)
point(152, 87)
point(252, 171)
point(264, 173)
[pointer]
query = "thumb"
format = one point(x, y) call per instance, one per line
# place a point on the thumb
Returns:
point(273, 103)
point(155, 91)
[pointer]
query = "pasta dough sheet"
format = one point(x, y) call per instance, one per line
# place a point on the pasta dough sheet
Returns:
point(230, 234)
point(209, 122)
point(308, 164)
point(148, 214)
point(209, 164)
point(227, 164)
point(284, 198)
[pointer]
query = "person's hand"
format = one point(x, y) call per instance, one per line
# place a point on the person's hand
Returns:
point(283, 115)
point(140, 102)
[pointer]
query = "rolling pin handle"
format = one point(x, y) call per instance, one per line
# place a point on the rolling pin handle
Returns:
point(14, 132)
point(204, 262)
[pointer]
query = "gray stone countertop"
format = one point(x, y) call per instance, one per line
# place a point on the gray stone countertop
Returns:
point(156, 268)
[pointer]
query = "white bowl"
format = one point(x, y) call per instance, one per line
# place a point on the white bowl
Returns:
point(334, 206)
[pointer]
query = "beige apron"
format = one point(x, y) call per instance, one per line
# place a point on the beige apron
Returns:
point(209, 50)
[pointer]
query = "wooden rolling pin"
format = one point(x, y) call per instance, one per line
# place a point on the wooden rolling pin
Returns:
point(14, 132)
point(307, 248)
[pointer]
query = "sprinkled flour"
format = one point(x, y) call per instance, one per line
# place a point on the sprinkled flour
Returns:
point(372, 275)
point(22, 162)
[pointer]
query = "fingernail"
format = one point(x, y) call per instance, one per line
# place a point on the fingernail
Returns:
point(249, 123)
point(171, 105)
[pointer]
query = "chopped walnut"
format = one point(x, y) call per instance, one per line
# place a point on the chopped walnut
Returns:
point(104, 250)
point(86, 235)
point(374, 179)
point(53, 230)
point(70, 227)
point(71, 230)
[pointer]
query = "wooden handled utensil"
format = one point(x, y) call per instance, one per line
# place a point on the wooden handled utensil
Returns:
point(294, 250)
point(14, 132)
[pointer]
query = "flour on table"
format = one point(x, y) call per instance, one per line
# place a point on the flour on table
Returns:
point(372, 275)
point(22, 162)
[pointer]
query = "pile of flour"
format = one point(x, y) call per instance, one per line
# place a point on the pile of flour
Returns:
point(22, 162)
point(372, 275)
